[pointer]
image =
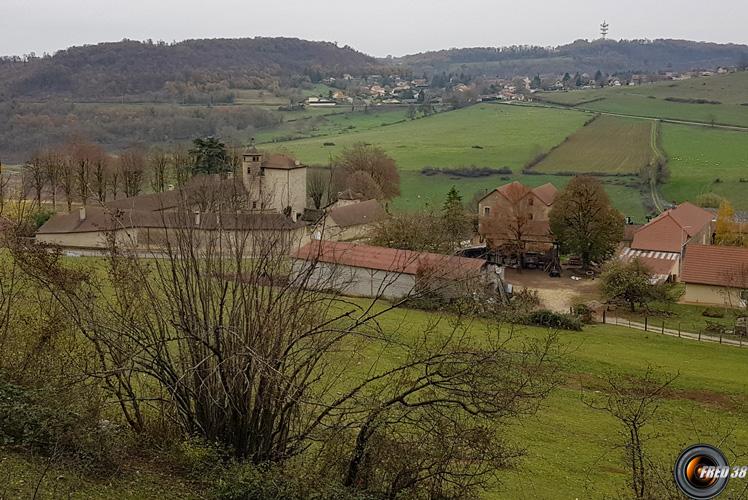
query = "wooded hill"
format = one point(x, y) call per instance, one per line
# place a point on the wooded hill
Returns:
point(135, 68)
point(584, 56)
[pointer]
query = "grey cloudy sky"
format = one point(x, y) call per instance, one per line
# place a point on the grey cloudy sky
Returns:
point(377, 27)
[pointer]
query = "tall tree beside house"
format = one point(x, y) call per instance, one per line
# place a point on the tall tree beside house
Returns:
point(209, 156)
point(536, 82)
point(630, 283)
point(456, 220)
point(728, 231)
point(363, 165)
point(584, 222)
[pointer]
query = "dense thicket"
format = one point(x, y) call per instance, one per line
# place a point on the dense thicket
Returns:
point(131, 67)
point(26, 127)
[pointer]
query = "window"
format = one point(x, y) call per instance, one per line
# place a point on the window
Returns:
point(744, 295)
point(530, 216)
point(254, 205)
point(531, 201)
point(486, 211)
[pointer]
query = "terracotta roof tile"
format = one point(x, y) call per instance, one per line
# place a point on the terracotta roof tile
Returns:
point(389, 259)
point(546, 193)
point(715, 265)
point(670, 230)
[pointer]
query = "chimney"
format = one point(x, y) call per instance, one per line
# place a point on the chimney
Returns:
point(197, 218)
point(82, 213)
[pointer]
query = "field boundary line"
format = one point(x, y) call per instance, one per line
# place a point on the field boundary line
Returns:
point(671, 332)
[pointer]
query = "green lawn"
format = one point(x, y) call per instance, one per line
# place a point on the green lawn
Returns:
point(570, 446)
point(608, 144)
point(698, 156)
point(485, 135)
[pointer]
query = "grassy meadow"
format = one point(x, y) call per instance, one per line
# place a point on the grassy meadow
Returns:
point(699, 157)
point(730, 91)
point(485, 135)
point(608, 144)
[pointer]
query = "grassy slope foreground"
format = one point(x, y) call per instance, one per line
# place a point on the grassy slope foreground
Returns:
point(608, 144)
point(570, 447)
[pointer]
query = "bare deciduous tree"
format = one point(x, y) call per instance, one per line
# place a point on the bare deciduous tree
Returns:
point(34, 178)
point(318, 184)
point(159, 166)
point(634, 402)
point(132, 171)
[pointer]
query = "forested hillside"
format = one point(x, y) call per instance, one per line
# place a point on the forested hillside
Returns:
point(582, 55)
point(136, 68)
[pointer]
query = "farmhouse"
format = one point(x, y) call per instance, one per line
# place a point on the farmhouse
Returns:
point(368, 271)
point(515, 214)
point(716, 275)
point(659, 243)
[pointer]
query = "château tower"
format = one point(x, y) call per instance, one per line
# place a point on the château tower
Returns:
point(275, 183)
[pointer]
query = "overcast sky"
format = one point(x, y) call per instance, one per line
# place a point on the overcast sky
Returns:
point(377, 27)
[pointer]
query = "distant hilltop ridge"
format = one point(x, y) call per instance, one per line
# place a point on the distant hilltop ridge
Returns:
point(580, 56)
point(130, 67)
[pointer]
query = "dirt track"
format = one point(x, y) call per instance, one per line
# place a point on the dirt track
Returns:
point(556, 294)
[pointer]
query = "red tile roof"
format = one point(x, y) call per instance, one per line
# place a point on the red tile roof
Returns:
point(670, 230)
point(716, 265)
point(546, 193)
point(389, 259)
point(515, 191)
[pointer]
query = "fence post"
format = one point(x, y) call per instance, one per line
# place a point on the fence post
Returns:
point(720, 337)
point(603, 316)
point(679, 329)
point(699, 335)
point(645, 323)
point(663, 326)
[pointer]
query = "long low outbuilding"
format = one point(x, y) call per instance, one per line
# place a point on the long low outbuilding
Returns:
point(370, 271)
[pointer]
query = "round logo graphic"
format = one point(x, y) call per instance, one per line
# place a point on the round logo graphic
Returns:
point(701, 472)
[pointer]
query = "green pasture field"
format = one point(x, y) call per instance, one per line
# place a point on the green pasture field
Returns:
point(328, 122)
point(486, 135)
point(420, 191)
point(699, 156)
point(609, 144)
point(570, 447)
point(648, 100)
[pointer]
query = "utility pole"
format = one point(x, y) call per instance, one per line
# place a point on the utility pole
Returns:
point(604, 29)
